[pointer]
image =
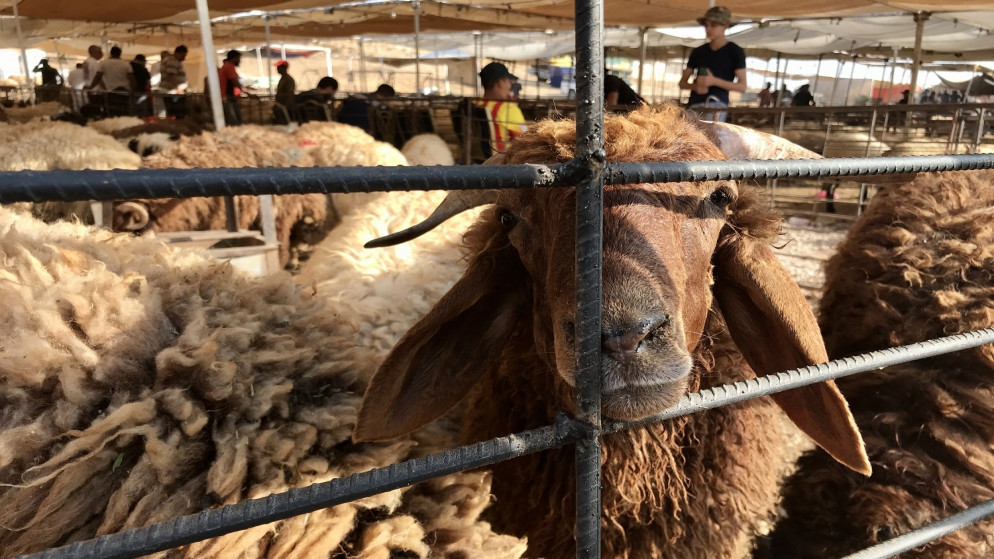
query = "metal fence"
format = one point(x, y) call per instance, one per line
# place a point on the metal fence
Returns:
point(589, 172)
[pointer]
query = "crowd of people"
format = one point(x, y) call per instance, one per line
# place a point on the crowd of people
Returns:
point(713, 71)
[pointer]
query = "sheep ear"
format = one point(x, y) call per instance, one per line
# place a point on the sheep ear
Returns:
point(443, 356)
point(775, 330)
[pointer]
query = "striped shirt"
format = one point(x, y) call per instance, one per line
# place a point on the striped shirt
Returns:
point(505, 120)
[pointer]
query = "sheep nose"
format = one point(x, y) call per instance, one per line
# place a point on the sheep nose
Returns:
point(621, 343)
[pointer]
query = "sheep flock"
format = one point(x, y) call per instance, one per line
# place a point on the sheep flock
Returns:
point(141, 381)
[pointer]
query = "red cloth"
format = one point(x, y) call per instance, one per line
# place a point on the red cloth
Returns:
point(228, 76)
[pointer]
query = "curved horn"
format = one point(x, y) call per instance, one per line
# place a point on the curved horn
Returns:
point(738, 142)
point(455, 202)
point(134, 216)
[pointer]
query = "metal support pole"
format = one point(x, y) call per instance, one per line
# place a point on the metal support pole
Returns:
point(776, 83)
point(589, 231)
point(416, 8)
point(362, 67)
point(24, 53)
point(920, 19)
point(852, 76)
point(327, 60)
point(269, 55)
point(643, 45)
point(210, 56)
point(477, 56)
point(835, 85)
point(814, 86)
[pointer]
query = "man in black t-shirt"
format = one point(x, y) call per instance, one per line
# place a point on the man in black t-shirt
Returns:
point(717, 67)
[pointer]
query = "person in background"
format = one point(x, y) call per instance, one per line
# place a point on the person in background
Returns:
point(320, 96)
point(114, 74)
point(92, 65)
point(172, 82)
point(355, 108)
point(143, 86)
point(51, 81)
point(766, 96)
point(77, 77)
point(803, 97)
point(504, 117)
point(231, 87)
point(49, 76)
point(286, 89)
point(783, 97)
point(617, 93)
point(718, 66)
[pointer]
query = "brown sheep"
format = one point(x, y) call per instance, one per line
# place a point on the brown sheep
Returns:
point(300, 218)
point(918, 265)
point(501, 343)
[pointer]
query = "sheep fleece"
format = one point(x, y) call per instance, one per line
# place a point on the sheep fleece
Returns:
point(139, 383)
point(917, 265)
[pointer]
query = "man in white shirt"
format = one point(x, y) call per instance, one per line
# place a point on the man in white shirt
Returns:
point(92, 65)
point(77, 77)
point(115, 73)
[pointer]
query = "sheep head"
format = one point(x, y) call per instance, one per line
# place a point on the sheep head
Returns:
point(669, 250)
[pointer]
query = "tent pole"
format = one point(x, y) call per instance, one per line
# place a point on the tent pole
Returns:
point(269, 56)
point(24, 53)
point(893, 74)
point(643, 40)
point(835, 85)
point(210, 56)
point(477, 60)
point(362, 67)
point(920, 19)
point(776, 83)
point(258, 60)
point(416, 7)
point(814, 86)
point(852, 74)
point(327, 59)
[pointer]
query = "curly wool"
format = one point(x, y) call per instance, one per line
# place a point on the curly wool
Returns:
point(916, 266)
point(141, 383)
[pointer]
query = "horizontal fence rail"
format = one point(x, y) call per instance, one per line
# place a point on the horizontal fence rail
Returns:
point(925, 534)
point(215, 522)
point(36, 186)
point(255, 512)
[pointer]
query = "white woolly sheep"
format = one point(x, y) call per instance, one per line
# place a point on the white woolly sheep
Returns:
point(427, 149)
point(500, 342)
point(140, 382)
point(917, 265)
point(334, 143)
point(46, 146)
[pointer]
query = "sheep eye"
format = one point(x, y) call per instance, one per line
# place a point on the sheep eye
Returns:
point(720, 198)
point(507, 219)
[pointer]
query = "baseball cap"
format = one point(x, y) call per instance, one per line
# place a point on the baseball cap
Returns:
point(718, 14)
point(495, 71)
point(281, 63)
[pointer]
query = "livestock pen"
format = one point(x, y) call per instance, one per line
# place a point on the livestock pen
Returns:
point(589, 172)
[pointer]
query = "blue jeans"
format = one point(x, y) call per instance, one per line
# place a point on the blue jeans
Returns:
point(711, 102)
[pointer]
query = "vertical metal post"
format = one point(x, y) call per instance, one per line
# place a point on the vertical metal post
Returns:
point(589, 243)
point(24, 53)
point(920, 19)
point(477, 56)
point(210, 58)
point(269, 56)
point(852, 76)
point(835, 85)
point(643, 45)
point(416, 8)
point(362, 68)
point(327, 60)
point(814, 86)
point(776, 83)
